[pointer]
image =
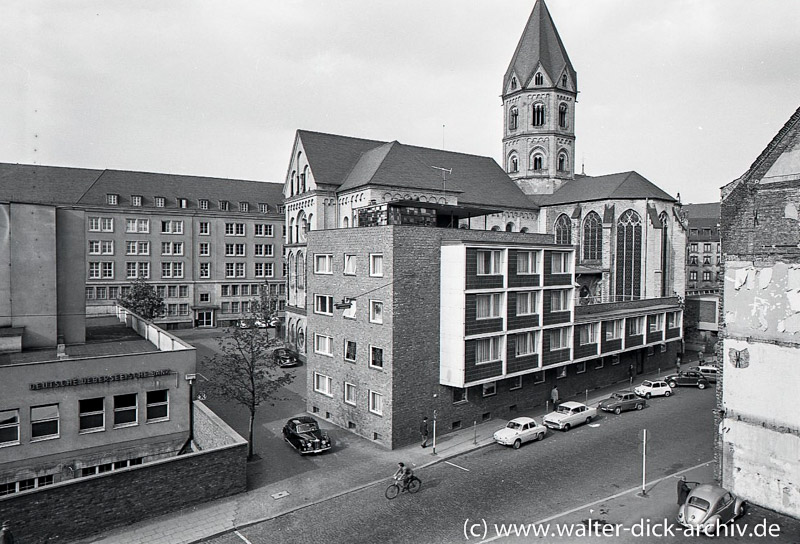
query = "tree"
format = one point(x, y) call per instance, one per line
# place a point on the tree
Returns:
point(143, 300)
point(244, 370)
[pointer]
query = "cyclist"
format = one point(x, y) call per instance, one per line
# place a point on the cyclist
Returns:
point(403, 474)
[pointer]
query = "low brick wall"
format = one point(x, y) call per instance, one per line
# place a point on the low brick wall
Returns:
point(79, 508)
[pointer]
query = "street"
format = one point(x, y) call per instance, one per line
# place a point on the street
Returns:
point(501, 485)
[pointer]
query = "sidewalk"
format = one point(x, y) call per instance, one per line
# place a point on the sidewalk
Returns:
point(371, 465)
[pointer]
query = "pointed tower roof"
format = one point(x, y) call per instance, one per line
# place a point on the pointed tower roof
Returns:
point(539, 44)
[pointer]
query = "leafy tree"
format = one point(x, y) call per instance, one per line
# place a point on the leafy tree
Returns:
point(143, 300)
point(244, 370)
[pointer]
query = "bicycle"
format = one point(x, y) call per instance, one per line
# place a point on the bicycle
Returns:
point(395, 488)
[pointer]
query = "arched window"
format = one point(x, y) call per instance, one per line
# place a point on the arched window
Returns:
point(346, 222)
point(564, 80)
point(292, 331)
point(524, 229)
point(509, 227)
point(538, 79)
point(495, 228)
point(290, 232)
point(563, 228)
point(513, 118)
point(310, 222)
point(513, 163)
point(538, 114)
point(293, 184)
point(301, 271)
point(629, 256)
point(292, 273)
point(562, 116)
point(537, 160)
point(304, 178)
point(513, 83)
point(592, 237)
point(562, 162)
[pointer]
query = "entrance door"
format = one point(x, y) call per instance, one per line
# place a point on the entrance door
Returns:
point(205, 319)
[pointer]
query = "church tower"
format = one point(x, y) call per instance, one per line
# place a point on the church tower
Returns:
point(539, 93)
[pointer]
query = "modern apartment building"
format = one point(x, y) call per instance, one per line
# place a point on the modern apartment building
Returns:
point(207, 245)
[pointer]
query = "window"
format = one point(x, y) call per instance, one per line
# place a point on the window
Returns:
point(706, 259)
point(107, 270)
point(513, 118)
point(205, 249)
point(537, 161)
point(559, 339)
point(635, 326)
point(561, 372)
point(513, 163)
point(599, 362)
point(706, 276)
point(707, 248)
point(202, 204)
point(323, 345)
point(94, 247)
point(513, 83)
point(172, 227)
point(673, 320)
point(592, 237)
point(538, 79)
point(136, 200)
point(693, 275)
point(349, 265)
point(628, 282)
point(562, 116)
point(182, 202)
point(323, 304)
point(262, 229)
point(563, 230)
point(262, 250)
point(112, 199)
point(580, 368)
point(244, 206)
point(490, 262)
point(349, 393)
point(113, 293)
point(487, 350)
point(527, 262)
point(559, 300)
point(234, 229)
point(160, 201)
point(538, 114)
point(171, 270)
point(172, 248)
point(376, 265)
point(350, 351)
point(587, 334)
point(263, 208)
point(91, 415)
point(126, 410)
point(376, 403)
point(564, 80)
point(323, 264)
point(375, 311)
point(89, 293)
point(323, 384)
point(223, 205)
point(488, 306)
point(528, 303)
point(563, 163)
point(489, 389)
point(656, 322)
point(459, 395)
point(204, 228)
point(137, 225)
point(560, 263)
point(94, 224)
point(9, 427)
point(527, 343)
point(205, 270)
point(515, 383)
point(44, 422)
point(158, 405)
point(94, 270)
point(614, 330)
point(375, 357)
point(101, 293)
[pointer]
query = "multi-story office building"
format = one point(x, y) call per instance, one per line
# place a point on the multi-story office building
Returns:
point(703, 275)
point(207, 245)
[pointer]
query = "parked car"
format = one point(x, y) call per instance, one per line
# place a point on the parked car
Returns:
point(304, 435)
point(710, 372)
point(568, 415)
point(687, 377)
point(518, 431)
point(285, 357)
point(621, 401)
point(655, 388)
point(709, 505)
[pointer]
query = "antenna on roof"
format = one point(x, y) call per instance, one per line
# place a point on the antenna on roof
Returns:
point(445, 171)
point(442, 137)
point(583, 164)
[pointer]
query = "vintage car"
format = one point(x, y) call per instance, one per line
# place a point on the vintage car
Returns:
point(687, 377)
point(568, 415)
point(707, 507)
point(285, 357)
point(654, 388)
point(710, 372)
point(621, 401)
point(518, 431)
point(304, 435)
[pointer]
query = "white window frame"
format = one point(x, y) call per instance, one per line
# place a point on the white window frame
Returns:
point(372, 357)
point(533, 302)
point(563, 335)
point(204, 228)
point(149, 405)
point(134, 408)
point(494, 262)
point(9, 419)
point(516, 383)
point(495, 350)
point(495, 305)
point(323, 384)
point(323, 304)
point(531, 260)
point(57, 419)
point(375, 311)
point(489, 389)
point(107, 224)
point(616, 330)
point(204, 249)
point(321, 342)
point(592, 333)
point(562, 296)
point(638, 329)
point(560, 262)
point(323, 263)
point(350, 393)
point(94, 247)
point(376, 265)
point(355, 349)
point(102, 411)
point(659, 323)
point(136, 200)
point(532, 343)
point(375, 403)
point(350, 265)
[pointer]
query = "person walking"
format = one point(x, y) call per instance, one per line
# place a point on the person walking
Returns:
point(678, 363)
point(701, 356)
point(554, 397)
point(5, 534)
point(683, 490)
point(423, 431)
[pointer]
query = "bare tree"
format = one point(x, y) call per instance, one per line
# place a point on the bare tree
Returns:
point(244, 370)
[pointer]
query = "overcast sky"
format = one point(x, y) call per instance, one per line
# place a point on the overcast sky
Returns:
point(686, 92)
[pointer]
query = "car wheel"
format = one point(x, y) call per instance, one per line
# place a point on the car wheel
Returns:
point(517, 443)
point(540, 436)
point(673, 384)
point(647, 396)
point(740, 511)
point(701, 385)
point(589, 419)
point(667, 393)
point(617, 410)
point(567, 427)
point(639, 406)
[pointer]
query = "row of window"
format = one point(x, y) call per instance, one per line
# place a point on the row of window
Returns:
point(323, 264)
point(538, 79)
point(706, 260)
point(323, 345)
point(42, 481)
point(112, 199)
point(324, 385)
point(323, 305)
point(537, 161)
point(104, 270)
point(45, 420)
point(181, 291)
point(491, 262)
point(137, 225)
point(706, 276)
point(538, 115)
point(706, 248)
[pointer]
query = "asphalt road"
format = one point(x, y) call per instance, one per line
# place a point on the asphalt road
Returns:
point(501, 485)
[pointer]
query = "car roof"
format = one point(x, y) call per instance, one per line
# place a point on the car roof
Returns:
point(703, 367)
point(523, 420)
point(303, 419)
point(709, 492)
point(623, 392)
point(570, 404)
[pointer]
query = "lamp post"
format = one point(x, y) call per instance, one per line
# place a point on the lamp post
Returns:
point(434, 432)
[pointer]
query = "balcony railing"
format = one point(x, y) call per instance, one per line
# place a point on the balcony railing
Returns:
point(610, 299)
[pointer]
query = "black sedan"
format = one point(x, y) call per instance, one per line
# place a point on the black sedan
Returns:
point(687, 377)
point(304, 435)
point(285, 357)
point(620, 401)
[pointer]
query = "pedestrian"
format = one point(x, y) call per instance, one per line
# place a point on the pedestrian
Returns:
point(678, 363)
point(5, 534)
point(631, 371)
point(683, 490)
point(701, 356)
point(554, 397)
point(423, 431)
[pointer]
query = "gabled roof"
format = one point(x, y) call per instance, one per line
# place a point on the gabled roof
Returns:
point(621, 186)
point(351, 163)
point(76, 186)
point(540, 42)
point(709, 210)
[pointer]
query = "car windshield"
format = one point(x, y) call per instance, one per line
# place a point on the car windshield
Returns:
point(617, 396)
point(647, 383)
point(514, 425)
point(564, 410)
point(697, 502)
point(306, 427)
